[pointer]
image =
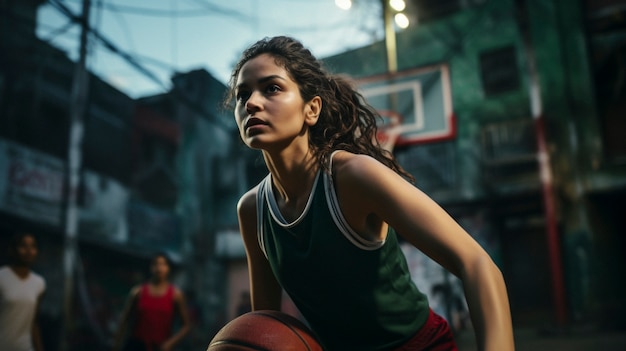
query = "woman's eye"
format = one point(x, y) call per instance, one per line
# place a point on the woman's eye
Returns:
point(273, 88)
point(242, 95)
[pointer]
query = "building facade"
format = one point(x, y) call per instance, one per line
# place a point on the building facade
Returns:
point(535, 167)
point(157, 174)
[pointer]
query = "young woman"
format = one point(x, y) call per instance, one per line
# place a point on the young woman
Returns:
point(322, 225)
point(152, 308)
point(21, 290)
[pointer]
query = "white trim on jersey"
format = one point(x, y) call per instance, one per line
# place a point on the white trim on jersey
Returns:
point(265, 195)
point(340, 221)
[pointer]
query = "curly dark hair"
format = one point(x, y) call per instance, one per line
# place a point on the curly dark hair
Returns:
point(346, 121)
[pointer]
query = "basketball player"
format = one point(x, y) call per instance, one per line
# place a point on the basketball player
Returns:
point(153, 308)
point(323, 224)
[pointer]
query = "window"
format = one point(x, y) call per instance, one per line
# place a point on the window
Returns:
point(498, 71)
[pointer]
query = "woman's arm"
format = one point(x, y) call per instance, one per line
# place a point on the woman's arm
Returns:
point(265, 292)
point(181, 308)
point(129, 309)
point(371, 193)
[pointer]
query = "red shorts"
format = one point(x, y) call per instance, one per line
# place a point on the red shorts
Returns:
point(435, 335)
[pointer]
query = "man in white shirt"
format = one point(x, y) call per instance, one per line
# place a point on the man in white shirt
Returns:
point(20, 292)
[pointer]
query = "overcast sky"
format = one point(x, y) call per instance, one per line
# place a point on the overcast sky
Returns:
point(168, 36)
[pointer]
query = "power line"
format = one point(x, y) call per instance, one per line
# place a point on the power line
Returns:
point(175, 93)
point(57, 32)
point(207, 9)
point(224, 11)
point(108, 44)
point(124, 25)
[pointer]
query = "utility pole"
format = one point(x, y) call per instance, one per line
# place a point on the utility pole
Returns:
point(390, 38)
point(545, 170)
point(78, 107)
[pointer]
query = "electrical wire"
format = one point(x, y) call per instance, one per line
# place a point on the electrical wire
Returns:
point(207, 9)
point(124, 25)
point(194, 106)
point(57, 32)
point(135, 61)
point(224, 11)
point(108, 44)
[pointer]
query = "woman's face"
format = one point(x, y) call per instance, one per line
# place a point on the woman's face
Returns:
point(269, 108)
point(160, 267)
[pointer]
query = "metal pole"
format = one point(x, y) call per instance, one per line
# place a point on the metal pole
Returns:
point(78, 104)
point(390, 38)
point(392, 54)
point(545, 171)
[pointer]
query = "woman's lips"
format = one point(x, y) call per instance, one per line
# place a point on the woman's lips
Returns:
point(254, 122)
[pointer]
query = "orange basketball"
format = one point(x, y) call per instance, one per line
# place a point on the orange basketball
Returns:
point(264, 331)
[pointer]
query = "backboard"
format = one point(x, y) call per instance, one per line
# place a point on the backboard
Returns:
point(416, 105)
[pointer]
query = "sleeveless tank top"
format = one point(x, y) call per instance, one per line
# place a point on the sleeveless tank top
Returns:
point(355, 294)
point(155, 315)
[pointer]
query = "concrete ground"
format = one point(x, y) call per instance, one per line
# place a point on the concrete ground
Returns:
point(574, 340)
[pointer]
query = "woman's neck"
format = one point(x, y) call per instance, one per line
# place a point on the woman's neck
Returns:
point(158, 287)
point(293, 173)
point(159, 282)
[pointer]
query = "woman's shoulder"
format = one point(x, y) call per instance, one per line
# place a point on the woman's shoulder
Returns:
point(177, 292)
point(247, 202)
point(349, 165)
point(343, 157)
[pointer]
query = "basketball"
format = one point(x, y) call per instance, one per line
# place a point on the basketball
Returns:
point(264, 331)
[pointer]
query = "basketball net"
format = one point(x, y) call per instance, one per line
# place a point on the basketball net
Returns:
point(388, 134)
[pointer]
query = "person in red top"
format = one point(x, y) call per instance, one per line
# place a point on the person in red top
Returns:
point(152, 307)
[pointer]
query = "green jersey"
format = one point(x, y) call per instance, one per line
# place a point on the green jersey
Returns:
point(354, 293)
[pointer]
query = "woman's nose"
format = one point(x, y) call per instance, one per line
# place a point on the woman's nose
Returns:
point(253, 103)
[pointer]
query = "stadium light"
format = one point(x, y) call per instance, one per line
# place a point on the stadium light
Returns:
point(392, 13)
point(343, 4)
point(398, 5)
point(401, 20)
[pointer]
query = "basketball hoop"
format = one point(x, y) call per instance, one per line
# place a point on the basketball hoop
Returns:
point(419, 99)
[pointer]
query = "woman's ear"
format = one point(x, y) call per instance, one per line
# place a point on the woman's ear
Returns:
point(312, 110)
